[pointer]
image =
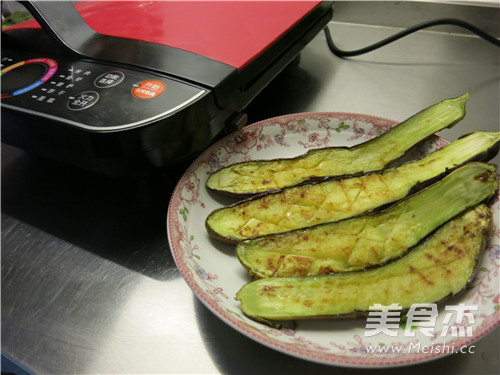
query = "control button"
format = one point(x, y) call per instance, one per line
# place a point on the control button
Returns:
point(148, 89)
point(83, 100)
point(109, 79)
point(27, 75)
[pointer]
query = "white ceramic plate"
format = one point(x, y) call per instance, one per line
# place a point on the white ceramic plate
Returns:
point(215, 275)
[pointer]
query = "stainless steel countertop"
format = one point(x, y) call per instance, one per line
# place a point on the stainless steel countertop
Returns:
point(88, 281)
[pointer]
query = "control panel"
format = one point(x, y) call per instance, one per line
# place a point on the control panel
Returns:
point(87, 94)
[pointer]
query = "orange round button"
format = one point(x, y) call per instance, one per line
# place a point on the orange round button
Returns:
point(148, 89)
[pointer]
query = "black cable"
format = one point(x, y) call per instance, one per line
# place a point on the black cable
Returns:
point(441, 21)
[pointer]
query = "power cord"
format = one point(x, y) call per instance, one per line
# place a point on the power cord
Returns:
point(441, 21)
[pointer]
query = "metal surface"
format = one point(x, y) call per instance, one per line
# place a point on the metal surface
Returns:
point(88, 282)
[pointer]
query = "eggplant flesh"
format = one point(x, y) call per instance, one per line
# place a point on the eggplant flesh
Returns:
point(332, 200)
point(369, 240)
point(439, 267)
point(253, 177)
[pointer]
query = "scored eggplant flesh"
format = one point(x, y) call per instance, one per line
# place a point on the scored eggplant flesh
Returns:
point(332, 200)
point(257, 176)
point(441, 266)
point(369, 240)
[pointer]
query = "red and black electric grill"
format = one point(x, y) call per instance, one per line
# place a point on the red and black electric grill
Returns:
point(119, 87)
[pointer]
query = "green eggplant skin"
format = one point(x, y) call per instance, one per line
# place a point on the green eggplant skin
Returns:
point(439, 267)
point(248, 178)
point(369, 240)
point(332, 200)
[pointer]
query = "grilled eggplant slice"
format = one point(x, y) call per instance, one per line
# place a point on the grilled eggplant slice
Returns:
point(441, 266)
point(369, 240)
point(332, 200)
point(258, 176)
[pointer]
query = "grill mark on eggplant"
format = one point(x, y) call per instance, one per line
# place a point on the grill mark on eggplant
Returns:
point(490, 141)
point(304, 232)
point(452, 111)
point(481, 224)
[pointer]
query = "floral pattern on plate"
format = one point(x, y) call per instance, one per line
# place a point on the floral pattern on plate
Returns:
point(215, 275)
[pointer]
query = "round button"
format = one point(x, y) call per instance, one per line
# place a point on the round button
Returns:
point(109, 79)
point(83, 100)
point(148, 89)
point(26, 75)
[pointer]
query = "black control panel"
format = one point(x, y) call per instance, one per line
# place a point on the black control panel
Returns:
point(90, 95)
